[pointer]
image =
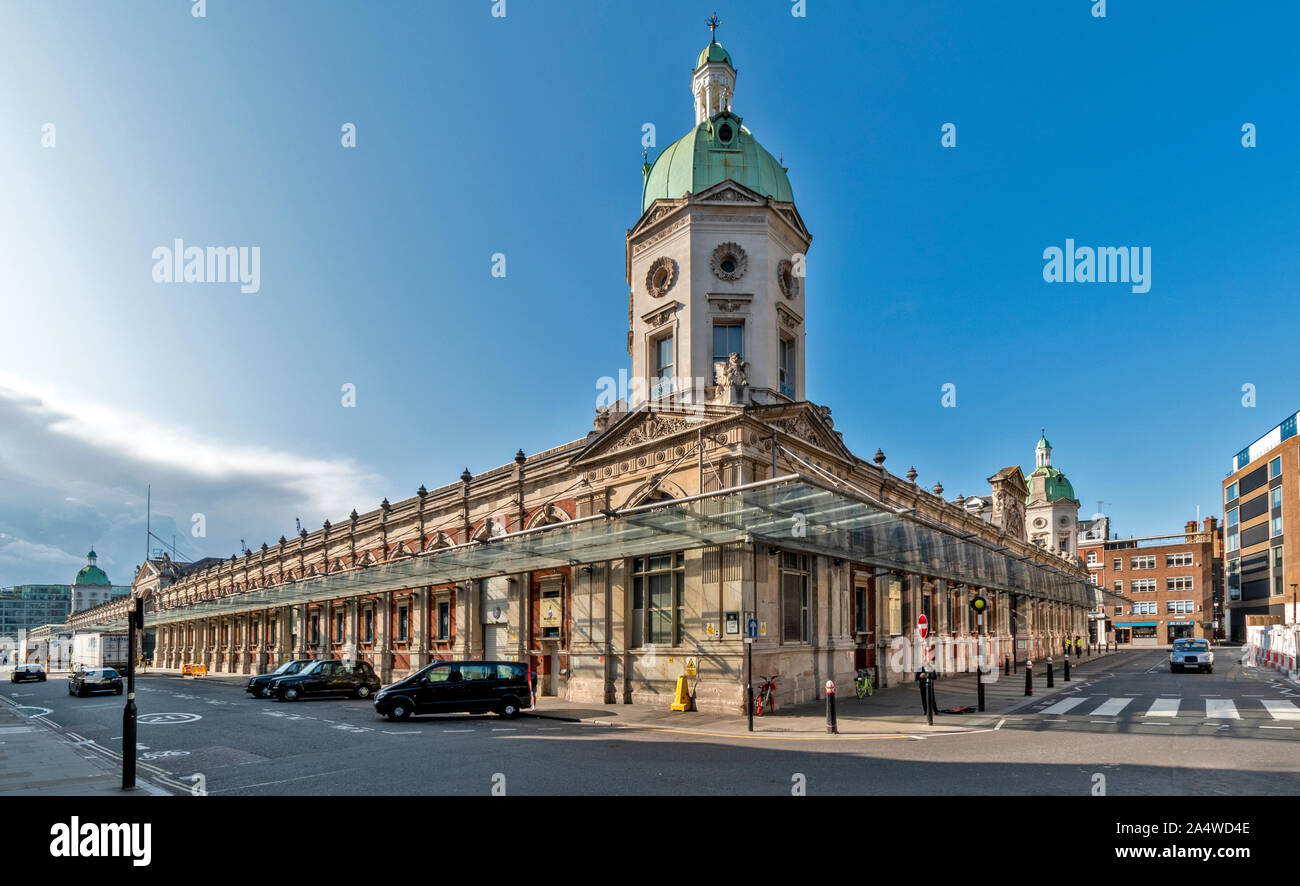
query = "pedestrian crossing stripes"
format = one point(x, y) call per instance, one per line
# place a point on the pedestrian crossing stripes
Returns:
point(1164, 708)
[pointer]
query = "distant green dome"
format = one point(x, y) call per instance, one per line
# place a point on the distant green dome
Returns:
point(704, 157)
point(1057, 486)
point(713, 53)
point(91, 575)
point(1043, 444)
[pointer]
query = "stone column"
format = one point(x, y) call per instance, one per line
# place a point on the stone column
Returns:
point(352, 628)
point(384, 636)
point(304, 628)
point(326, 630)
point(419, 628)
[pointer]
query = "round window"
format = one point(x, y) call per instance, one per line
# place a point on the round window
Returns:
point(724, 132)
point(728, 265)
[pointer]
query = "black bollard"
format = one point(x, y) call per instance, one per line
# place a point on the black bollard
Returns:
point(979, 686)
point(1050, 681)
point(1006, 665)
point(830, 708)
point(1067, 667)
point(925, 695)
point(1029, 678)
point(929, 718)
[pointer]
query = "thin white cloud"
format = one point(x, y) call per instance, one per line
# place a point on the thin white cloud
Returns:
point(65, 465)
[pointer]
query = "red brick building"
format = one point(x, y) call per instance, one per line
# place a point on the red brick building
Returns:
point(1169, 579)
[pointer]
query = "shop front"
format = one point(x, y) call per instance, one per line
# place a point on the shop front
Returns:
point(1179, 630)
point(1136, 633)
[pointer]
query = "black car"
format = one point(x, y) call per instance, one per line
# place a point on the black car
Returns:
point(332, 677)
point(24, 672)
point(89, 680)
point(472, 687)
point(259, 685)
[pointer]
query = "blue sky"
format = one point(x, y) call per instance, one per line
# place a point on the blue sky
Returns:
point(522, 135)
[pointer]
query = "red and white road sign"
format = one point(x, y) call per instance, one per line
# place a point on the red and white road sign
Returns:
point(923, 625)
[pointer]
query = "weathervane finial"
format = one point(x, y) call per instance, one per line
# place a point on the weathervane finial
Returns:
point(714, 23)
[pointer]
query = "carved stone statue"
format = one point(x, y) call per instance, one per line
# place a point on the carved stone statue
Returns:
point(732, 381)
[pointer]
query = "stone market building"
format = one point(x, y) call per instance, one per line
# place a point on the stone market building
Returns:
point(714, 499)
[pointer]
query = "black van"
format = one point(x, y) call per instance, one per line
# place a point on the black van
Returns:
point(453, 687)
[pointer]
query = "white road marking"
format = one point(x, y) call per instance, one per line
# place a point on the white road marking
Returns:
point(1277, 727)
point(1163, 707)
point(1221, 708)
point(1111, 707)
point(1282, 710)
point(458, 730)
point(1064, 707)
point(999, 726)
point(1107, 722)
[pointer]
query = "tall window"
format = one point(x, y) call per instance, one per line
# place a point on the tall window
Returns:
point(403, 623)
point(338, 627)
point(1275, 467)
point(444, 620)
point(658, 589)
point(787, 367)
point(1117, 565)
point(1234, 579)
point(315, 629)
point(895, 606)
point(368, 626)
point(662, 383)
point(1277, 525)
point(1276, 494)
point(860, 610)
point(1277, 571)
point(1231, 493)
point(728, 339)
point(794, 597)
point(1092, 558)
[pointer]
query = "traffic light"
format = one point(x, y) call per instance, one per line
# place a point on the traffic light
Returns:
point(978, 605)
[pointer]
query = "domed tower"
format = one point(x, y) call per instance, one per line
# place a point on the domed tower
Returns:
point(716, 262)
point(1051, 511)
point(91, 587)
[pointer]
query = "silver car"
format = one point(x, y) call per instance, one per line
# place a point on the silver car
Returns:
point(1190, 653)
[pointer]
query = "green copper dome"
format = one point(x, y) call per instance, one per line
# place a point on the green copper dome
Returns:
point(1057, 487)
point(713, 53)
point(91, 575)
point(706, 156)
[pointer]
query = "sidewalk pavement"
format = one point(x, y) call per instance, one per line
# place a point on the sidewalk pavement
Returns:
point(37, 759)
point(891, 712)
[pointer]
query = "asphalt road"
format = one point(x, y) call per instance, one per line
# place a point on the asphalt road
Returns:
point(1134, 729)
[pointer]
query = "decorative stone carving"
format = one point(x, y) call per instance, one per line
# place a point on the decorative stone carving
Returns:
point(732, 381)
point(729, 262)
point(652, 428)
point(786, 279)
point(659, 318)
point(730, 307)
point(797, 427)
point(661, 276)
point(655, 238)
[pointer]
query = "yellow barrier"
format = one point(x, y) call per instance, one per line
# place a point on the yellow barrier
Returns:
point(682, 697)
point(194, 670)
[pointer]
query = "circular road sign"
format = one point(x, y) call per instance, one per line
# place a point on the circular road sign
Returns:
point(923, 625)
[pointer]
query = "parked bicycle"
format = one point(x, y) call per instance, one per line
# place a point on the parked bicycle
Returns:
point(862, 683)
point(765, 697)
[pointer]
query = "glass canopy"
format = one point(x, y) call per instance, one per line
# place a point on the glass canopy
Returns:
point(792, 513)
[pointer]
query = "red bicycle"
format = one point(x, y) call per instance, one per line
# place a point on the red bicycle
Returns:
point(765, 697)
